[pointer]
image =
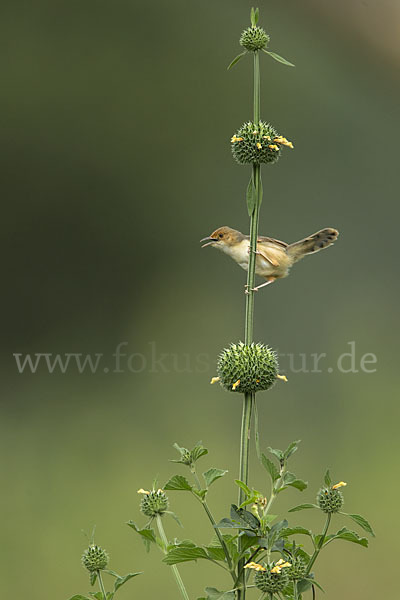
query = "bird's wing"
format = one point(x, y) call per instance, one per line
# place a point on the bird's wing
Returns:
point(262, 238)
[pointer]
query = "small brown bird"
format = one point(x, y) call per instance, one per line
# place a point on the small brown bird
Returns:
point(274, 258)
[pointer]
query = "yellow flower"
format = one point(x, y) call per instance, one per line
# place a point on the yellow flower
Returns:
point(142, 491)
point(259, 145)
point(236, 384)
point(236, 139)
point(255, 566)
point(339, 485)
point(273, 147)
point(160, 491)
point(214, 380)
point(282, 140)
point(282, 377)
point(267, 137)
point(276, 569)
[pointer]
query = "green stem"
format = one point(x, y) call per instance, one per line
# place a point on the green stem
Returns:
point(103, 591)
point(249, 399)
point(174, 568)
point(320, 544)
point(214, 524)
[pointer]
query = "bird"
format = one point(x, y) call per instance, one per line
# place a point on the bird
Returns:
point(274, 258)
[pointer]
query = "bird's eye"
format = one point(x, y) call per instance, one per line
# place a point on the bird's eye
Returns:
point(221, 235)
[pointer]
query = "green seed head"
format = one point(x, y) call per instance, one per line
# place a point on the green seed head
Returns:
point(330, 500)
point(271, 582)
point(95, 558)
point(247, 368)
point(257, 143)
point(297, 570)
point(254, 38)
point(154, 503)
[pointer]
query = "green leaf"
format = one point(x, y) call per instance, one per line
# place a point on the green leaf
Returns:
point(212, 475)
point(121, 580)
point(327, 479)
point(362, 522)
point(295, 531)
point(200, 493)
point(299, 484)
point(180, 554)
point(227, 524)
point(198, 451)
point(270, 467)
point(174, 516)
point(79, 597)
point(302, 507)
point(99, 595)
point(178, 483)
point(244, 487)
point(215, 552)
point(278, 58)
point(112, 573)
point(291, 449)
point(214, 594)
point(276, 452)
point(349, 536)
point(251, 197)
point(303, 585)
point(147, 534)
point(93, 577)
point(236, 60)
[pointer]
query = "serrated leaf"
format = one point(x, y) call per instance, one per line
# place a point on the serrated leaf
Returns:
point(216, 552)
point(350, 536)
point(295, 531)
point(174, 516)
point(236, 60)
point(362, 522)
point(278, 58)
point(251, 197)
point(178, 483)
point(244, 487)
point(291, 449)
point(198, 451)
point(270, 467)
point(276, 452)
point(146, 533)
point(227, 524)
point(123, 579)
point(327, 479)
point(288, 478)
point(302, 507)
point(299, 484)
point(181, 554)
point(212, 475)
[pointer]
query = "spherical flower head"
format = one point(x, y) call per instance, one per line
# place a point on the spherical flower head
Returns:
point(257, 143)
point(254, 38)
point(271, 582)
point(247, 368)
point(297, 570)
point(330, 500)
point(186, 458)
point(153, 503)
point(95, 558)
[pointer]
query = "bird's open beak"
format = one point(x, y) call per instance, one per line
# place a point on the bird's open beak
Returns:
point(210, 240)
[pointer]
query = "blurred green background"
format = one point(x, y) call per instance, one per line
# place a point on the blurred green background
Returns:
point(116, 120)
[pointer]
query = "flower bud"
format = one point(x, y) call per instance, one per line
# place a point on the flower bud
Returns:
point(269, 582)
point(254, 38)
point(330, 500)
point(256, 143)
point(95, 558)
point(153, 503)
point(247, 368)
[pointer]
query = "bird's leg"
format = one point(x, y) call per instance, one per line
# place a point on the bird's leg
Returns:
point(270, 280)
point(255, 251)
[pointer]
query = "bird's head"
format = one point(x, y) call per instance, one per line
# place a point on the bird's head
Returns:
point(222, 238)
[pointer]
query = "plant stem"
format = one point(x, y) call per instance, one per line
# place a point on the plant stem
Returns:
point(103, 591)
point(320, 544)
point(214, 524)
point(249, 399)
point(174, 568)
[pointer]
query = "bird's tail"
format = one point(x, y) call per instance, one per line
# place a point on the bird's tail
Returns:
point(314, 243)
